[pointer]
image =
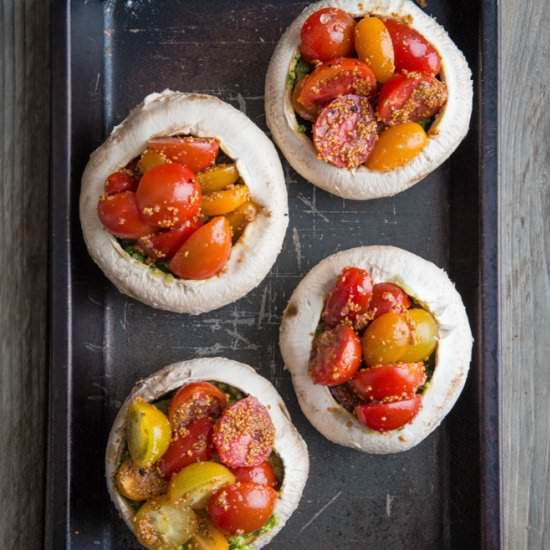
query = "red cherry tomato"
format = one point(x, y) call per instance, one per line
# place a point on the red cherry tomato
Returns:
point(410, 97)
point(193, 444)
point(327, 34)
point(389, 382)
point(383, 417)
point(197, 154)
point(387, 297)
point(120, 181)
point(205, 252)
point(332, 79)
point(336, 356)
point(168, 195)
point(194, 401)
point(120, 215)
point(350, 298)
point(242, 507)
point(412, 51)
point(244, 435)
point(262, 474)
point(166, 243)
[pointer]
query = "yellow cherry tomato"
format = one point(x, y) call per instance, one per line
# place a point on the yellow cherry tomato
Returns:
point(225, 201)
point(385, 340)
point(196, 483)
point(148, 433)
point(149, 159)
point(208, 537)
point(396, 146)
point(218, 177)
point(241, 217)
point(138, 484)
point(162, 525)
point(374, 46)
point(424, 335)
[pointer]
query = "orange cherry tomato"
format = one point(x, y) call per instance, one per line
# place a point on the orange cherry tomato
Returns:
point(224, 201)
point(120, 215)
point(197, 154)
point(386, 339)
point(262, 474)
point(387, 297)
point(374, 46)
point(205, 253)
point(120, 181)
point(383, 417)
point(397, 146)
point(424, 335)
point(327, 34)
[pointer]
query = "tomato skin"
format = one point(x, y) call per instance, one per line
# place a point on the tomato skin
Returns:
point(120, 181)
point(392, 382)
point(327, 34)
point(262, 474)
point(424, 335)
point(205, 253)
point(335, 357)
point(168, 195)
point(332, 79)
point(387, 297)
point(374, 46)
point(243, 507)
point(191, 445)
point(120, 215)
point(412, 51)
point(196, 153)
point(350, 298)
point(384, 417)
point(386, 338)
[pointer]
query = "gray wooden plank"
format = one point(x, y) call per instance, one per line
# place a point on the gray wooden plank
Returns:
point(525, 272)
point(24, 150)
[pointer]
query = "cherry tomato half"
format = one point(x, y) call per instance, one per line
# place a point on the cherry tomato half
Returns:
point(197, 154)
point(332, 79)
point(412, 51)
point(243, 507)
point(194, 401)
point(192, 444)
point(374, 46)
point(205, 252)
point(327, 34)
point(387, 297)
point(244, 435)
point(392, 382)
point(383, 417)
point(120, 215)
point(120, 181)
point(138, 484)
point(168, 195)
point(335, 357)
point(350, 298)
point(386, 339)
point(262, 474)
point(424, 335)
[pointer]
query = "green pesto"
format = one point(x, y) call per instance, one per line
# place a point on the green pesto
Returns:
point(298, 70)
point(242, 542)
point(160, 267)
point(233, 394)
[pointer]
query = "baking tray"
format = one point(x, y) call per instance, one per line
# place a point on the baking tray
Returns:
point(106, 57)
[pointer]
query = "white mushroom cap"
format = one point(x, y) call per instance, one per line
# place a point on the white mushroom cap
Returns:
point(171, 113)
point(288, 443)
point(428, 285)
point(445, 135)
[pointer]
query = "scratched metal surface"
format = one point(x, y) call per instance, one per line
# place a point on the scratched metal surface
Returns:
point(121, 51)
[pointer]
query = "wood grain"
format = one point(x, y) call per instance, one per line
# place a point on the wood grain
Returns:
point(525, 273)
point(24, 151)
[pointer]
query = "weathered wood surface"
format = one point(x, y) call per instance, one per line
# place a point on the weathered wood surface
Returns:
point(24, 152)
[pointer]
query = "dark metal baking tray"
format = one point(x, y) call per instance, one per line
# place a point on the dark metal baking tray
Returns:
point(106, 57)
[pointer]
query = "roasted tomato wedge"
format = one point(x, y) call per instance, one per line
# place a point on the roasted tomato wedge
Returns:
point(387, 297)
point(243, 507)
point(349, 300)
point(224, 201)
point(412, 51)
point(205, 253)
point(389, 382)
point(139, 484)
point(120, 215)
point(335, 357)
point(208, 537)
point(410, 97)
point(197, 154)
point(195, 401)
point(149, 159)
point(374, 46)
point(191, 444)
point(168, 195)
point(327, 34)
point(262, 474)
point(345, 132)
point(241, 217)
point(383, 417)
point(120, 181)
point(166, 243)
point(218, 177)
point(386, 339)
point(333, 79)
point(424, 335)
point(244, 435)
